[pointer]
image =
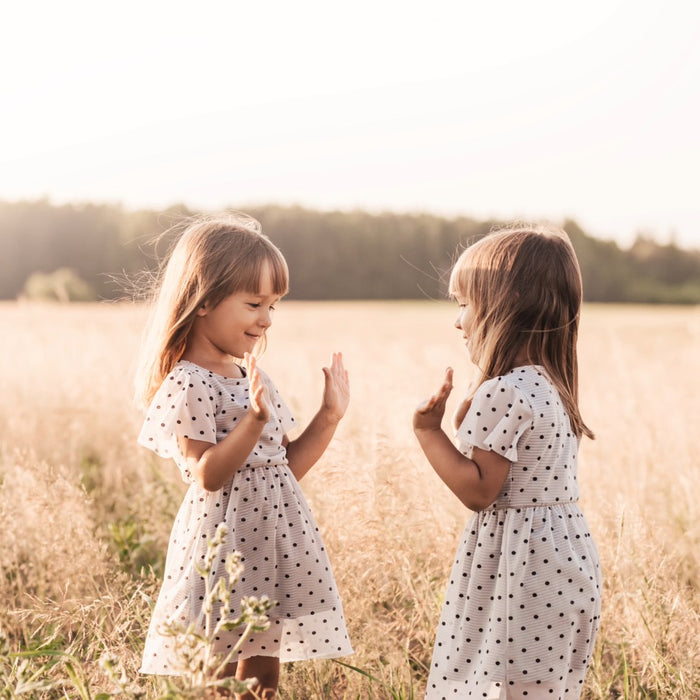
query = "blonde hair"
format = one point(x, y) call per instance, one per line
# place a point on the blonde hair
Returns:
point(213, 258)
point(524, 286)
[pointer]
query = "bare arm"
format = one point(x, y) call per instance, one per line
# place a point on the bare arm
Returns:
point(477, 481)
point(304, 451)
point(213, 465)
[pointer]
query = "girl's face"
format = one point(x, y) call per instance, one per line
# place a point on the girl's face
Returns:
point(235, 326)
point(465, 322)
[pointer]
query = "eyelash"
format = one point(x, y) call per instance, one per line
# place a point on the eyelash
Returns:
point(256, 306)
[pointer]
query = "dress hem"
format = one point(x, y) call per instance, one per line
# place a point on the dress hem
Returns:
point(286, 660)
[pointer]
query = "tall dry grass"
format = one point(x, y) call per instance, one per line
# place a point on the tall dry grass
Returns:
point(86, 513)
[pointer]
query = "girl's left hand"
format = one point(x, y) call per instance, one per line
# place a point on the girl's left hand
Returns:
point(336, 393)
point(428, 415)
point(257, 392)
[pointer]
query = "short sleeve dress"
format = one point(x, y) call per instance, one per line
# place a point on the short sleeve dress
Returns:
point(269, 523)
point(522, 606)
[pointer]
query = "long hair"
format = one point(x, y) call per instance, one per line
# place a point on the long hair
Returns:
point(524, 286)
point(214, 257)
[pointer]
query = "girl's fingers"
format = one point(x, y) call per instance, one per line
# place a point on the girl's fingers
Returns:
point(449, 372)
point(255, 390)
point(337, 367)
point(250, 363)
point(439, 398)
point(252, 372)
point(429, 404)
point(425, 406)
point(446, 388)
point(336, 371)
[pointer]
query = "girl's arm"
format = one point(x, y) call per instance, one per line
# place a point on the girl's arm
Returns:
point(477, 481)
point(213, 465)
point(304, 451)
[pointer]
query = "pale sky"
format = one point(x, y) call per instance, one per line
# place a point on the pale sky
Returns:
point(538, 109)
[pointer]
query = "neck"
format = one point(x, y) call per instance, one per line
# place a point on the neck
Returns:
point(213, 359)
point(521, 359)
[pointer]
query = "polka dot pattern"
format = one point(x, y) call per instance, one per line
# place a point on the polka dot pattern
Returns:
point(522, 606)
point(268, 519)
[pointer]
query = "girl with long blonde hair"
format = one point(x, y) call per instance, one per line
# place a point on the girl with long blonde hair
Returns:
point(221, 419)
point(522, 606)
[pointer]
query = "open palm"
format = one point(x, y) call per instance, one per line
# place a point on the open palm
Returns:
point(336, 392)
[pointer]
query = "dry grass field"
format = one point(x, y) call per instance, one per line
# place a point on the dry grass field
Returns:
point(85, 513)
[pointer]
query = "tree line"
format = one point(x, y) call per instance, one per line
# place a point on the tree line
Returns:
point(99, 251)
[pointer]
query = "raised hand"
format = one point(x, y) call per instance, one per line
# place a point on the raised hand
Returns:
point(428, 415)
point(258, 393)
point(336, 392)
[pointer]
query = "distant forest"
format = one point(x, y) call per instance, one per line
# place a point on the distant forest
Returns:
point(87, 251)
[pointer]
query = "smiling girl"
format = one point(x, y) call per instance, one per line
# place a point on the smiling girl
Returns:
point(223, 422)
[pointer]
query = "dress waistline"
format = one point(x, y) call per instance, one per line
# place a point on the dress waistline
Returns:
point(270, 465)
point(526, 506)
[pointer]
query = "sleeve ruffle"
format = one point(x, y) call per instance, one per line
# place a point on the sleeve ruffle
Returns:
point(498, 417)
point(184, 406)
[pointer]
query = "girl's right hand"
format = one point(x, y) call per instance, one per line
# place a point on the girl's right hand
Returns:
point(258, 392)
point(428, 415)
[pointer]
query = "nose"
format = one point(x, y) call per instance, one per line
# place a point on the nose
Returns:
point(458, 321)
point(265, 318)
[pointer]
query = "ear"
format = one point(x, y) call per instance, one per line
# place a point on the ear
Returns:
point(203, 309)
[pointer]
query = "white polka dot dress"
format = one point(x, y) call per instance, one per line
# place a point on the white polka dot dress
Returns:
point(268, 520)
point(522, 606)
